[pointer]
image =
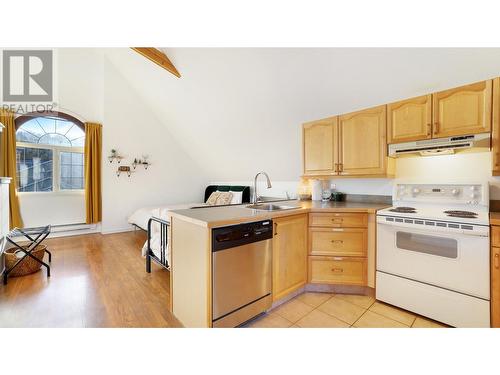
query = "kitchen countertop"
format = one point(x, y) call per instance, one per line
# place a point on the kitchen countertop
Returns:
point(494, 218)
point(213, 217)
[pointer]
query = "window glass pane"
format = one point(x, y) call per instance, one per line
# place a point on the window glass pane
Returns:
point(50, 131)
point(433, 245)
point(34, 169)
point(55, 139)
point(74, 133)
point(65, 157)
point(32, 126)
point(71, 171)
point(79, 142)
point(63, 126)
point(48, 124)
point(23, 136)
point(77, 158)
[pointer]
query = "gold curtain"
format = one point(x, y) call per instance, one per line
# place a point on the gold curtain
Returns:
point(93, 155)
point(8, 165)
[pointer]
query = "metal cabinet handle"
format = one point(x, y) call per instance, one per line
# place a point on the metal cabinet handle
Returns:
point(337, 270)
point(275, 229)
point(436, 127)
point(337, 241)
point(336, 167)
point(337, 218)
point(429, 129)
point(496, 260)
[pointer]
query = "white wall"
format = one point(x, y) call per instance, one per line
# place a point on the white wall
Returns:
point(132, 129)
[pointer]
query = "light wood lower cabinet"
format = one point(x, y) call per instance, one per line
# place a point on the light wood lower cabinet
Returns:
point(338, 248)
point(338, 242)
point(338, 270)
point(289, 255)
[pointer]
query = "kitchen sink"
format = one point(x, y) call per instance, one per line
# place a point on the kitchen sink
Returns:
point(270, 207)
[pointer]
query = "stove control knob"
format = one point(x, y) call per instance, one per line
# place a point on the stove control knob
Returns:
point(455, 191)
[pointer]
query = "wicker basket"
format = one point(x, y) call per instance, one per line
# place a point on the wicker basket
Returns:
point(28, 265)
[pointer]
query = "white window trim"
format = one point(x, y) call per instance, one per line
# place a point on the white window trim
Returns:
point(56, 168)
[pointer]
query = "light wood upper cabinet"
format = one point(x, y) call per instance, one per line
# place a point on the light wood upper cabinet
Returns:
point(320, 147)
point(495, 131)
point(363, 146)
point(463, 110)
point(289, 255)
point(409, 120)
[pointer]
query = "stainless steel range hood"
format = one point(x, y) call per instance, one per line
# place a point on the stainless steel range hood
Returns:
point(442, 146)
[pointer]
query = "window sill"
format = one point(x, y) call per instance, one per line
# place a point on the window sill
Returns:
point(51, 193)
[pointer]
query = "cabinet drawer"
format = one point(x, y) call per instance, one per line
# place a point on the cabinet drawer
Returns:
point(338, 220)
point(338, 270)
point(495, 236)
point(338, 242)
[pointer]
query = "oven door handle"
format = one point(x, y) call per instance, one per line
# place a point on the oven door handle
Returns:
point(434, 229)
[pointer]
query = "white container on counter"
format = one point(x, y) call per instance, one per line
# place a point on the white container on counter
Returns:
point(316, 190)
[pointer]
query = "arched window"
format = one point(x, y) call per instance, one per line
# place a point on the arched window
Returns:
point(50, 153)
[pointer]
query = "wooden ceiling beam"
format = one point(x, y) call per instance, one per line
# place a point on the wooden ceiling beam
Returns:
point(158, 57)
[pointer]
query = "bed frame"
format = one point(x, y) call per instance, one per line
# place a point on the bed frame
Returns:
point(164, 226)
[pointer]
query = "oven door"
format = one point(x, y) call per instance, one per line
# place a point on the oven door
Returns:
point(450, 260)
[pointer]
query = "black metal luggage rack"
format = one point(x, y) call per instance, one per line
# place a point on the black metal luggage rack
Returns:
point(34, 237)
point(150, 255)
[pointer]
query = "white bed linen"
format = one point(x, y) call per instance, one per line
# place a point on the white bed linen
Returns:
point(142, 216)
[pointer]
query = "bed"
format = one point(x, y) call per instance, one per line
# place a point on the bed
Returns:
point(155, 221)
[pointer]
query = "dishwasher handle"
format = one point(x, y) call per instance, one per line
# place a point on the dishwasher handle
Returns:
point(241, 234)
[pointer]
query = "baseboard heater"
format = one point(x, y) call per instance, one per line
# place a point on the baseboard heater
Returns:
point(72, 227)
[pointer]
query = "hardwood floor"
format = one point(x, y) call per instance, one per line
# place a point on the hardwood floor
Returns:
point(96, 281)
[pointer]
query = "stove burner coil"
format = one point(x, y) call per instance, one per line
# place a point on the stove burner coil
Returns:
point(408, 210)
point(462, 214)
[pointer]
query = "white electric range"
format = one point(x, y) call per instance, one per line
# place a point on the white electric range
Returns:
point(433, 252)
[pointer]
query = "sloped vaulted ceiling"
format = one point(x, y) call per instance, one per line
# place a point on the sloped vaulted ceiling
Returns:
point(238, 111)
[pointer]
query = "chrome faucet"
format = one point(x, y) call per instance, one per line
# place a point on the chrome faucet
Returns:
point(256, 197)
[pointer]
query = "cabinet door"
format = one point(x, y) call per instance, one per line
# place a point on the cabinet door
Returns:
point(463, 110)
point(363, 146)
point(289, 255)
point(495, 287)
point(409, 120)
point(495, 132)
point(320, 147)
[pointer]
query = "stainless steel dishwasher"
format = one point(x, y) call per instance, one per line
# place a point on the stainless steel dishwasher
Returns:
point(241, 272)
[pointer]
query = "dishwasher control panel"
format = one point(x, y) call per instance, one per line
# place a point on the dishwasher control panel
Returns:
point(241, 234)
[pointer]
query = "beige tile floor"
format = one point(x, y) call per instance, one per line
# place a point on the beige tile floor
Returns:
point(325, 310)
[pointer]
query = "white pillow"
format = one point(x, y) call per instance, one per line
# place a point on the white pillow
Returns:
point(237, 197)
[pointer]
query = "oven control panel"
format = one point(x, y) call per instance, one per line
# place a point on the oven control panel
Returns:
point(473, 194)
